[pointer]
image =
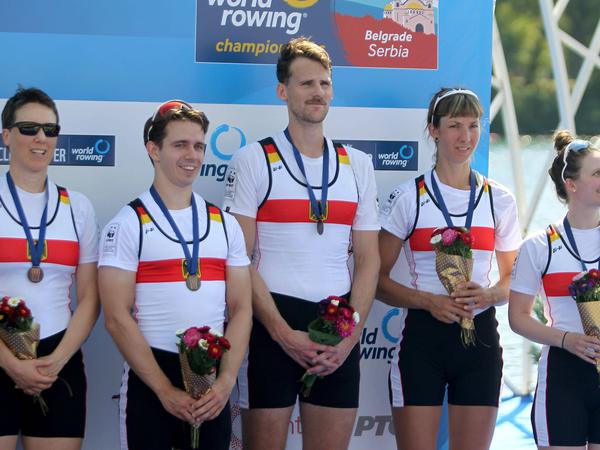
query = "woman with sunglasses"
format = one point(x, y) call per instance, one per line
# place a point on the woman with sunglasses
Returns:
point(431, 356)
point(48, 238)
point(566, 409)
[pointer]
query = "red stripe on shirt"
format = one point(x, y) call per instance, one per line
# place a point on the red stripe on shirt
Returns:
point(289, 211)
point(483, 239)
point(171, 270)
point(61, 252)
point(557, 284)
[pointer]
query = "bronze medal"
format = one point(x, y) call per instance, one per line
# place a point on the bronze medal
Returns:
point(192, 282)
point(320, 226)
point(35, 274)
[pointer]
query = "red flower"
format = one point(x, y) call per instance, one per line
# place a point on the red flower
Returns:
point(210, 338)
point(466, 238)
point(225, 343)
point(331, 310)
point(345, 313)
point(594, 273)
point(215, 351)
point(203, 330)
point(24, 311)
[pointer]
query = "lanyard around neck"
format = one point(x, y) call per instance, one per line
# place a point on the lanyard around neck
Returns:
point(442, 204)
point(36, 249)
point(573, 244)
point(191, 259)
point(318, 208)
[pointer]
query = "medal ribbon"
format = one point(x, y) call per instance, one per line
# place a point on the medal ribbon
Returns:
point(35, 249)
point(318, 208)
point(572, 242)
point(442, 204)
point(191, 260)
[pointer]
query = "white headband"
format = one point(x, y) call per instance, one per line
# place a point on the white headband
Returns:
point(448, 94)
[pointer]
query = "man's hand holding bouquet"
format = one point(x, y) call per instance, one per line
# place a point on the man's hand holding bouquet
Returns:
point(335, 321)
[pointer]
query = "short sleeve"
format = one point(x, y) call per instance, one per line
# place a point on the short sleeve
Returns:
point(526, 276)
point(245, 186)
point(120, 241)
point(87, 227)
point(508, 230)
point(236, 255)
point(366, 218)
point(398, 212)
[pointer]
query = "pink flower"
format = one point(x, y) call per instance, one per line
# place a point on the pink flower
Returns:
point(191, 337)
point(449, 236)
point(344, 327)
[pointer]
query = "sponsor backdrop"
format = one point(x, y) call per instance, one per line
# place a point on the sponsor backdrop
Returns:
point(109, 64)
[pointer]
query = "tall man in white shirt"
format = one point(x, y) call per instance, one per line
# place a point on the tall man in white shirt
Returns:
point(303, 202)
point(169, 261)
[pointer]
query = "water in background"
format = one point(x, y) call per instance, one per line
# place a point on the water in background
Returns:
point(534, 159)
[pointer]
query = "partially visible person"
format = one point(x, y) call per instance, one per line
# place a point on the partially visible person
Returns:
point(48, 239)
point(169, 261)
point(431, 356)
point(304, 203)
point(566, 408)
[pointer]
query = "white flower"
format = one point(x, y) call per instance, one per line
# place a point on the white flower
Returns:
point(13, 302)
point(436, 239)
point(215, 332)
point(335, 302)
point(180, 332)
point(203, 344)
point(580, 275)
point(356, 317)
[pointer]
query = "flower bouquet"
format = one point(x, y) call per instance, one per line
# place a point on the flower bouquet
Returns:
point(200, 349)
point(336, 320)
point(585, 289)
point(20, 333)
point(454, 265)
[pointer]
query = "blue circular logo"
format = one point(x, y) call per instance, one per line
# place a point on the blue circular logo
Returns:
point(407, 151)
point(102, 146)
point(215, 136)
point(384, 325)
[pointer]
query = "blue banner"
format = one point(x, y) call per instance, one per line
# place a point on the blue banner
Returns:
point(76, 150)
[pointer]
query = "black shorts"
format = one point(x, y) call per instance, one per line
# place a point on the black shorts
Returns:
point(272, 377)
point(566, 407)
point(431, 357)
point(65, 399)
point(146, 425)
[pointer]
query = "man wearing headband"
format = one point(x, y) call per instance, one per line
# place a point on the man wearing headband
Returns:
point(303, 201)
point(176, 261)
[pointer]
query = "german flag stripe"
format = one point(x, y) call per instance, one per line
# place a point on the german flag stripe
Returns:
point(214, 213)
point(170, 270)
point(272, 153)
point(64, 196)
point(343, 155)
point(553, 234)
point(143, 215)
point(557, 284)
point(291, 211)
point(483, 239)
point(61, 252)
point(422, 190)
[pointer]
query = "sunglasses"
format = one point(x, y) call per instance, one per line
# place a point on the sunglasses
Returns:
point(31, 128)
point(576, 145)
point(165, 108)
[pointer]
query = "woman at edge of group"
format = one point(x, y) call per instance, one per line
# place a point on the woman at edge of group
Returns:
point(431, 355)
point(566, 408)
point(32, 206)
